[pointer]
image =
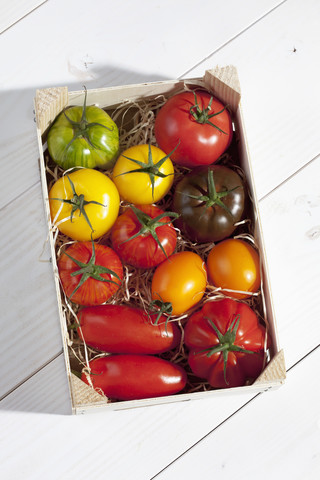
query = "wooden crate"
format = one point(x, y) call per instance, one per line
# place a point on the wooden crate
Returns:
point(223, 83)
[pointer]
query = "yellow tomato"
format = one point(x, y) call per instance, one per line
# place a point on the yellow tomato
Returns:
point(180, 280)
point(234, 264)
point(143, 174)
point(84, 204)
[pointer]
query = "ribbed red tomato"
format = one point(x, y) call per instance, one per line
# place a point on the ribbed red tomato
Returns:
point(124, 329)
point(226, 343)
point(143, 236)
point(131, 377)
point(198, 124)
point(90, 273)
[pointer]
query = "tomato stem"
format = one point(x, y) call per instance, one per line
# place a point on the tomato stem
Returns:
point(91, 270)
point(82, 128)
point(203, 116)
point(78, 202)
point(226, 343)
point(149, 225)
point(213, 197)
point(152, 169)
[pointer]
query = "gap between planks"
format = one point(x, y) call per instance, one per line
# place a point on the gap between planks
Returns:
point(25, 380)
point(231, 39)
point(230, 416)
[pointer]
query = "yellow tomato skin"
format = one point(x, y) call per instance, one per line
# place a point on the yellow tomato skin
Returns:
point(136, 187)
point(95, 186)
point(234, 264)
point(180, 280)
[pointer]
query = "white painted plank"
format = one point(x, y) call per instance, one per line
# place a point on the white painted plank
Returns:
point(133, 443)
point(276, 436)
point(30, 333)
point(66, 43)
point(280, 94)
point(291, 225)
point(46, 392)
point(15, 10)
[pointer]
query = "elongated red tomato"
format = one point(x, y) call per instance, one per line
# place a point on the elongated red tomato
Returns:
point(131, 377)
point(143, 236)
point(124, 329)
point(90, 273)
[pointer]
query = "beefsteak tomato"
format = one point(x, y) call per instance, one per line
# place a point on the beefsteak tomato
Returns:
point(234, 264)
point(198, 124)
point(209, 201)
point(84, 204)
point(124, 329)
point(83, 137)
point(90, 273)
point(143, 236)
point(226, 343)
point(143, 174)
point(131, 377)
point(180, 280)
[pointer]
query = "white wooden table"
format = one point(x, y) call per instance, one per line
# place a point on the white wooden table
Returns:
point(275, 46)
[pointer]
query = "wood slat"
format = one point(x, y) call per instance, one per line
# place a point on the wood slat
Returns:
point(30, 333)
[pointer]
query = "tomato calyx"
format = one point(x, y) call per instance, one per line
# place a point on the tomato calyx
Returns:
point(149, 225)
point(78, 202)
point(160, 307)
point(203, 116)
point(213, 197)
point(226, 343)
point(91, 270)
point(82, 128)
point(152, 169)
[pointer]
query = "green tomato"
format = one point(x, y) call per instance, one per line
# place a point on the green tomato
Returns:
point(84, 137)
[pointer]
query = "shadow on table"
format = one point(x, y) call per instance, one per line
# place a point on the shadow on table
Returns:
point(38, 384)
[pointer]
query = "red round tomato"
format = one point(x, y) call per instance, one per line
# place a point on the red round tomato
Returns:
point(124, 329)
point(226, 343)
point(143, 236)
point(90, 273)
point(198, 124)
point(131, 377)
point(180, 280)
point(234, 264)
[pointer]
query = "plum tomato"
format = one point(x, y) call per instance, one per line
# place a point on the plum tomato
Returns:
point(132, 377)
point(234, 264)
point(143, 236)
point(197, 124)
point(125, 329)
point(226, 343)
point(180, 280)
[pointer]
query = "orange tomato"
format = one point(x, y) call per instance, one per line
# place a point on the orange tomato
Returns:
point(234, 264)
point(180, 280)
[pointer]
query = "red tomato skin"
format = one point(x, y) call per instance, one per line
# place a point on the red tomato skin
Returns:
point(200, 144)
point(142, 251)
point(91, 292)
point(132, 377)
point(200, 337)
point(124, 329)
